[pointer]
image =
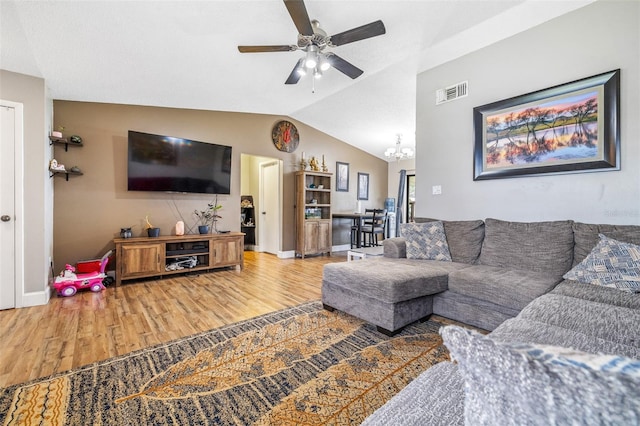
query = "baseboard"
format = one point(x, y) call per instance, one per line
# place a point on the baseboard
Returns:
point(287, 254)
point(36, 298)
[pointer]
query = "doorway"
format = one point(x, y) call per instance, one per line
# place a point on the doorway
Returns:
point(261, 177)
point(11, 140)
point(410, 198)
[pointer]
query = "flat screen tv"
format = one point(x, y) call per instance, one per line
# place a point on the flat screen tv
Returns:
point(168, 164)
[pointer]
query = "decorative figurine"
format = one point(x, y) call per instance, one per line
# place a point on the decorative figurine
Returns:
point(54, 166)
point(313, 163)
point(324, 166)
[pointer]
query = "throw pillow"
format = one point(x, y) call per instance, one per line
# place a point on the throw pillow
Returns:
point(611, 263)
point(426, 241)
point(524, 384)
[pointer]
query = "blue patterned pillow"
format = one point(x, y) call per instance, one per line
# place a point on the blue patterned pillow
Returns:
point(568, 357)
point(523, 384)
point(612, 264)
point(426, 241)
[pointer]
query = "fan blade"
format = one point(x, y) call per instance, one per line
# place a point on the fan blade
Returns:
point(258, 49)
point(295, 75)
point(343, 66)
point(300, 17)
point(366, 31)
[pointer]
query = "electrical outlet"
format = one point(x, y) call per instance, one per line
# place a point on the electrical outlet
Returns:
point(436, 190)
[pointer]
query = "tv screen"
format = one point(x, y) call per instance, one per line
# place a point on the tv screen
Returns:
point(164, 163)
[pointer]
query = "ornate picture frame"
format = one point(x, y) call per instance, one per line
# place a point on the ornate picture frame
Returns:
point(569, 128)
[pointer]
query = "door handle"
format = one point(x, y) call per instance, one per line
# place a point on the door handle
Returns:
point(5, 218)
point(264, 212)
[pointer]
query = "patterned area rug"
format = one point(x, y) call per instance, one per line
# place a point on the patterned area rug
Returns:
point(301, 365)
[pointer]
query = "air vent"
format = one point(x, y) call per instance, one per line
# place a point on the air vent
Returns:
point(450, 93)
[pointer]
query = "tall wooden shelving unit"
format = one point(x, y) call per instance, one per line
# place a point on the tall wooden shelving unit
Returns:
point(313, 213)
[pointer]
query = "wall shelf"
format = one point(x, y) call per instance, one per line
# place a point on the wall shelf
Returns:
point(62, 141)
point(65, 173)
point(248, 217)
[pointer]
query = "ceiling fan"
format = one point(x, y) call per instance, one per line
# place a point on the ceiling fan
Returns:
point(313, 40)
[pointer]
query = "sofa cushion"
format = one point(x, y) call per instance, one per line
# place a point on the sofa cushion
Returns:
point(514, 384)
point(472, 311)
point(395, 248)
point(521, 329)
point(612, 264)
point(389, 280)
point(512, 288)
point(591, 319)
point(597, 294)
point(464, 238)
point(545, 247)
point(426, 241)
point(586, 237)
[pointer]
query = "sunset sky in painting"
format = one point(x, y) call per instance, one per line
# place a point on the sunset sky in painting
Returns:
point(558, 104)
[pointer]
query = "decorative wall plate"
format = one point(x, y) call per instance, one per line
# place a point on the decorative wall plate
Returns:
point(285, 136)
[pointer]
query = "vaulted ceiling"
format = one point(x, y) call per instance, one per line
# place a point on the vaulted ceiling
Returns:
point(184, 54)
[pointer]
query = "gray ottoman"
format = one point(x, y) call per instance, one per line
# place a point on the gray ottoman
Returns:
point(389, 293)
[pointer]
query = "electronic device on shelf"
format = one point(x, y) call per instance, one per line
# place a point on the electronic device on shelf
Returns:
point(168, 164)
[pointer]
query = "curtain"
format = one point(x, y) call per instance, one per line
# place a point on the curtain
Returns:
point(400, 208)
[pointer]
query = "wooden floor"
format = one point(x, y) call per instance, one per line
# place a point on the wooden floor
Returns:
point(73, 331)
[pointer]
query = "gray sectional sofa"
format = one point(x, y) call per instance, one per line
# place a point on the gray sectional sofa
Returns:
point(505, 277)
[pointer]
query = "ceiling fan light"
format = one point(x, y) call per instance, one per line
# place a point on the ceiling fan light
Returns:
point(312, 57)
point(317, 73)
point(324, 63)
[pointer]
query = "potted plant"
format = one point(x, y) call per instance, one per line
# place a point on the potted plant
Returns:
point(152, 231)
point(208, 217)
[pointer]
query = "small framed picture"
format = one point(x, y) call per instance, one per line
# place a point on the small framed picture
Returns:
point(342, 176)
point(363, 186)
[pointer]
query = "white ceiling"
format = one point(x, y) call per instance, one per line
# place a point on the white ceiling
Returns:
point(184, 54)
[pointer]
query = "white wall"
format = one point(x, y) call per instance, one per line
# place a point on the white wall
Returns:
point(37, 186)
point(597, 38)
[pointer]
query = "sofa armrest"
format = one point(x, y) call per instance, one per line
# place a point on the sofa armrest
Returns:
point(395, 248)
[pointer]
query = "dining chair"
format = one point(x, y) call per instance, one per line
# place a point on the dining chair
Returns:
point(373, 227)
point(355, 228)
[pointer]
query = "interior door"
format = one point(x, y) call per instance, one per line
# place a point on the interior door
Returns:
point(7, 208)
point(269, 214)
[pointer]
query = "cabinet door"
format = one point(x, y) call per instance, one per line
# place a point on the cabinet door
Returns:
point(324, 236)
point(227, 251)
point(141, 259)
point(310, 237)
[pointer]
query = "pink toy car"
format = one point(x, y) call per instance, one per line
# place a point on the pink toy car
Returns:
point(68, 282)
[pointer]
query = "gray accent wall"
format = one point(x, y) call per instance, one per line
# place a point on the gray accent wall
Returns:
point(600, 37)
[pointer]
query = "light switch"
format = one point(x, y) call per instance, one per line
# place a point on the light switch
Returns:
point(436, 190)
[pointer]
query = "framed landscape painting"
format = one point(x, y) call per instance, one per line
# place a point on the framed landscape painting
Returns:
point(573, 127)
point(342, 176)
point(363, 186)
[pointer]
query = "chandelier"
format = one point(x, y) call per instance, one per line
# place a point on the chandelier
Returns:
point(397, 152)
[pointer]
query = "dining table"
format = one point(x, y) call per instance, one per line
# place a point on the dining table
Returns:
point(357, 219)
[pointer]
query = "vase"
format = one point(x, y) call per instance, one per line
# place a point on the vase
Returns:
point(153, 232)
point(203, 229)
